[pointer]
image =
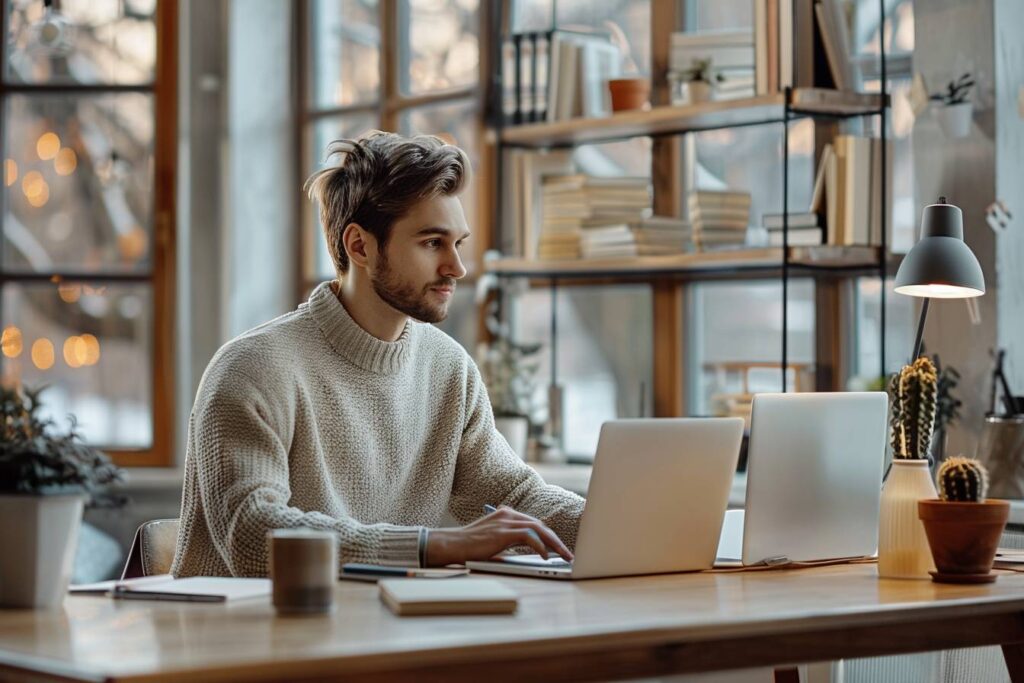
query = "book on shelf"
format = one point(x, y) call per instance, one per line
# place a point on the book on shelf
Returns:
point(774, 221)
point(580, 66)
point(720, 217)
point(524, 210)
point(835, 31)
point(850, 180)
point(718, 199)
point(798, 237)
point(773, 45)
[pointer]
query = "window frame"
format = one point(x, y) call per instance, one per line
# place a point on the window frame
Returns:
point(162, 275)
point(389, 107)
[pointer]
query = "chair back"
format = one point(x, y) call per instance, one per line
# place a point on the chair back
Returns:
point(152, 550)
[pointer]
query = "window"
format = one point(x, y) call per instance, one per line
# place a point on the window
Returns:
point(411, 67)
point(86, 271)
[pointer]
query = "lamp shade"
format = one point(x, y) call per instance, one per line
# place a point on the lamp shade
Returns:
point(941, 265)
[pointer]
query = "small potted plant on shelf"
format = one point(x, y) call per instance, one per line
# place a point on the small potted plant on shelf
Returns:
point(955, 112)
point(902, 544)
point(963, 527)
point(45, 479)
point(700, 80)
point(510, 371)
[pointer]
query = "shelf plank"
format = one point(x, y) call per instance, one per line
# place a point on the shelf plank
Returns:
point(674, 119)
point(691, 264)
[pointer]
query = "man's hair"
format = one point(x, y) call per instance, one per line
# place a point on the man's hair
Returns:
point(380, 177)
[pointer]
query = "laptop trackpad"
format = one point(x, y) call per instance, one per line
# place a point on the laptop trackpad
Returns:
point(533, 561)
point(730, 544)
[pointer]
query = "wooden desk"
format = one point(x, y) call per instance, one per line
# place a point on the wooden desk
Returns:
point(600, 630)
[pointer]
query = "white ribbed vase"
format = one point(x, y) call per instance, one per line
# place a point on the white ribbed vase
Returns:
point(903, 551)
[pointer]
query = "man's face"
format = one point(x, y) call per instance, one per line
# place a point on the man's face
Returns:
point(417, 271)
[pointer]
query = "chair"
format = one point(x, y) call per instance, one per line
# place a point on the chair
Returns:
point(152, 549)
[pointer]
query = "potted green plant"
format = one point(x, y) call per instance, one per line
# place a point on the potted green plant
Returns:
point(902, 544)
point(700, 80)
point(45, 480)
point(509, 369)
point(955, 112)
point(947, 407)
point(963, 526)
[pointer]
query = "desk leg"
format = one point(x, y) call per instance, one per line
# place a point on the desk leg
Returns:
point(1013, 653)
point(791, 675)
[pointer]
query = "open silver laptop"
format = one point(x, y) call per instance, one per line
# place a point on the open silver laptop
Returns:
point(814, 479)
point(655, 504)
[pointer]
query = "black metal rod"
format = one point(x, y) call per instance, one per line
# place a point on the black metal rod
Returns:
point(517, 43)
point(920, 331)
point(883, 260)
point(554, 332)
point(785, 237)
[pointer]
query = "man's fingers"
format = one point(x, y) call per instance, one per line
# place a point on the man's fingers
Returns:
point(549, 537)
point(526, 536)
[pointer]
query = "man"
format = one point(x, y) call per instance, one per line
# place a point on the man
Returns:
point(353, 413)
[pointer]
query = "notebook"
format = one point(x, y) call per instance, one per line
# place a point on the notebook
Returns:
point(456, 596)
point(190, 589)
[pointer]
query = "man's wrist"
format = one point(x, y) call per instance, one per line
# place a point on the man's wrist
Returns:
point(436, 550)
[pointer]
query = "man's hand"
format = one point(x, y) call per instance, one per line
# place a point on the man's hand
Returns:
point(489, 535)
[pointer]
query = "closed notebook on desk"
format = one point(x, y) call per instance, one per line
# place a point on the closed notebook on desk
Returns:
point(455, 596)
point(190, 589)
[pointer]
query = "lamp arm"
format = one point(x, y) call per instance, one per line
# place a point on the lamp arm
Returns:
point(920, 330)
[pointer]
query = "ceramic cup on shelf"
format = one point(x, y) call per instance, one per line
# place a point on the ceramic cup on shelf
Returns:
point(629, 93)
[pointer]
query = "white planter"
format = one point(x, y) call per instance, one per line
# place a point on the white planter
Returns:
point(698, 91)
point(955, 119)
point(38, 535)
point(515, 430)
point(903, 551)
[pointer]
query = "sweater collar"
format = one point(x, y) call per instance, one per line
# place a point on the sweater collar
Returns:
point(351, 341)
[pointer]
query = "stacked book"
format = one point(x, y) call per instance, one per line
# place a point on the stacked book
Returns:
point(653, 236)
point(578, 203)
point(720, 217)
point(804, 229)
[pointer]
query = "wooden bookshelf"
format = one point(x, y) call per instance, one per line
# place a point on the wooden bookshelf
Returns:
point(739, 263)
point(673, 119)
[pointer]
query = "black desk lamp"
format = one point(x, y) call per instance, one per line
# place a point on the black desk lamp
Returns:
point(941, 265)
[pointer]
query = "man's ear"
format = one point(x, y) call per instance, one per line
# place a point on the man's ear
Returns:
point(355, 241)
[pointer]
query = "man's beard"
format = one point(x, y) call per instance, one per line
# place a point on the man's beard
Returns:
point(404, 298)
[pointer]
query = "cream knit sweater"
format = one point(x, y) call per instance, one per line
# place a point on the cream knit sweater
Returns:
point(310, 421)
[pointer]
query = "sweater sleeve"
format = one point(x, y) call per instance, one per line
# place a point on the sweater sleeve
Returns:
point(241, 462)
point(489, 471)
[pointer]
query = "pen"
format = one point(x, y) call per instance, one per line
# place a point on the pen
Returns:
point(488, 509)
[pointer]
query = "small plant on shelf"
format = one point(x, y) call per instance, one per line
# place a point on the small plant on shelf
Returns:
point(702, 70)
point(913, 396)
point(956, 91)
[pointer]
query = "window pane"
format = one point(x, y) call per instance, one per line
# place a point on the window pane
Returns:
point(91, 344)
point(79, 182)
point(900, 327)
point(713, 15)
point(440, 49)
point(750, 159)
point(737, 326)
point(81, 41)
point(628, 22)
point(531, 15)
point(604, 355)
point(456, 123)
point(344, 52)
point(320, 136)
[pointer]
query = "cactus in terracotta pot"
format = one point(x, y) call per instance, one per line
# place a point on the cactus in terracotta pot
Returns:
point(962, 480)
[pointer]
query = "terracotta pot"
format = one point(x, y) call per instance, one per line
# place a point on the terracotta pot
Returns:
point(629, 93)
point(963, 536)
point(699, 91)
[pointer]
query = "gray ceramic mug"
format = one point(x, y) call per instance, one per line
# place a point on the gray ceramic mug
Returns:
point(303, 568)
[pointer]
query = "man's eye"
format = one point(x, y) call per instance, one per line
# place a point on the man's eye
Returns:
point(458, 245)
point(432, 244)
